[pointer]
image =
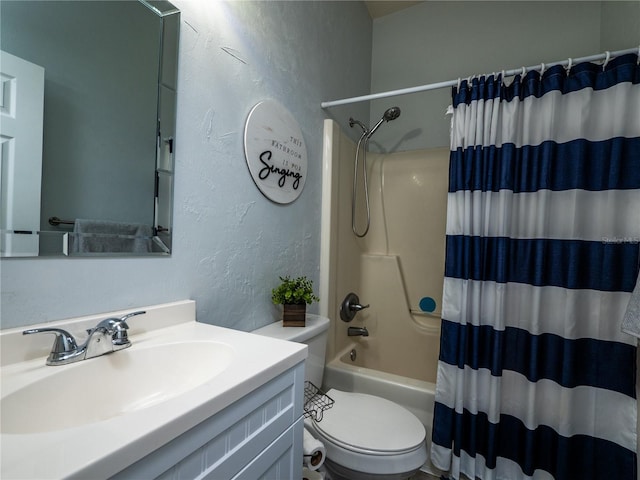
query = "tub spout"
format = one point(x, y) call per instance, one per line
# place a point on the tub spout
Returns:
point(357, 332)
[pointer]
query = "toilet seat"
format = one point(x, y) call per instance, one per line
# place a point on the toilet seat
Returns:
point(369, 434)
point(370, 425)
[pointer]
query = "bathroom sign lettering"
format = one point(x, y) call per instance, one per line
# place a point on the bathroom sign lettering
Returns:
point(269, 168)
point(275, 152)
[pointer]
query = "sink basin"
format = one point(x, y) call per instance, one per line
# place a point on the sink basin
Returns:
point(104, 387)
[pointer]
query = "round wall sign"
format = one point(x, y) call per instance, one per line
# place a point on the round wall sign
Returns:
point(275, 151)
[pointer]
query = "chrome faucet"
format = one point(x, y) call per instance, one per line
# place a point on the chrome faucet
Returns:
point(357, 332)
point(108, 336)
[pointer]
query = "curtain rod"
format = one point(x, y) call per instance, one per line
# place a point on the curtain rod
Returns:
point(434, 86)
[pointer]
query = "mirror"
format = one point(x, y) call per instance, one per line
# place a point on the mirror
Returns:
point(101, 82)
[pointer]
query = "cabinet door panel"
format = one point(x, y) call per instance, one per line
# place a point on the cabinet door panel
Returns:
point(282, 459)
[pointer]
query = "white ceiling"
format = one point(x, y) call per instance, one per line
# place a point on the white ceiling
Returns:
point(380, 8)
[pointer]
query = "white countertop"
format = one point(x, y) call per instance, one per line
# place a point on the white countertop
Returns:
point(101, 449)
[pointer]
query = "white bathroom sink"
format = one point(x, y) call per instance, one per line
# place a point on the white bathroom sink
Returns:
point(101, 388)
point(93, 418)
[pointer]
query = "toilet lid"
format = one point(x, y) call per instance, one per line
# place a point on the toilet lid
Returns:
point(369, 424)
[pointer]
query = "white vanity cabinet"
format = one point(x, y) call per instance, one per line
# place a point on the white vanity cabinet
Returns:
point(256, 437)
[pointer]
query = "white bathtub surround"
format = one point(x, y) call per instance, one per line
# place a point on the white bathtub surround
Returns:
point(397, 264)
point(101, 448)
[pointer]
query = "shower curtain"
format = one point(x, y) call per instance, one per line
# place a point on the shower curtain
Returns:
point(535, 378)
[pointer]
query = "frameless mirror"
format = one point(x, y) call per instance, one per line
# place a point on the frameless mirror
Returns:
point(87, 98)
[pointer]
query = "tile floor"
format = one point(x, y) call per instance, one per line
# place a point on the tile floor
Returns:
point(424, 476)
point(417, 476)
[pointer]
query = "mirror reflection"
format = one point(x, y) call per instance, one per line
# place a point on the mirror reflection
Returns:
point(88, 118)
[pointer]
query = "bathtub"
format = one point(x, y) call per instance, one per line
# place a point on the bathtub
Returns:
point(417, 396)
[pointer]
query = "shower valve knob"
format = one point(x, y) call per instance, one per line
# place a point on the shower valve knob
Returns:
point(350, 306)
point(357, 307)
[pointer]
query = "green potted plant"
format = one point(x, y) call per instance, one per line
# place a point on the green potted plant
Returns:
point(293, 294)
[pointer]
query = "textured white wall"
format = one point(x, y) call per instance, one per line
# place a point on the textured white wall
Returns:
point(231, 243)
point(620, 25)
point(439, 41)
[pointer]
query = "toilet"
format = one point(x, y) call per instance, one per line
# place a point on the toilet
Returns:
point(365, 437)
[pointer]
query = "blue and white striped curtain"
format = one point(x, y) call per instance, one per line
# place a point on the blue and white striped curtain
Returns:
point(535, 377)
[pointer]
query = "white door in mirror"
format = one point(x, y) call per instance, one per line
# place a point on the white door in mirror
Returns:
point(21, 110)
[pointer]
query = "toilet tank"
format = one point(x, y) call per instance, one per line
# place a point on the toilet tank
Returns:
point(314, 334)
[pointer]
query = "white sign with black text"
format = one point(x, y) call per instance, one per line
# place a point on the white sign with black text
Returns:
point(275, 151)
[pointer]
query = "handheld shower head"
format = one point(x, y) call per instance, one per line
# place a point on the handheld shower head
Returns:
point(390, 114)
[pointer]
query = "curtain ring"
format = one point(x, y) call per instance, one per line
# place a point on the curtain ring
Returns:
point(542, 68)
point(569, 65)
point(524, 72)
point(502, 77)
point(459, 81)
point(606, 60)
point(638, 54)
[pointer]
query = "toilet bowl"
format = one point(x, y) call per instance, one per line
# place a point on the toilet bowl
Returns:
point(365, 437)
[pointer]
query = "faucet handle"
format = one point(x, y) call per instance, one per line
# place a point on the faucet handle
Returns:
point(123, 319)
point(120, 335)
point(120, 327)
point(115, 325)
point(133, 314)
point(64, 342)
